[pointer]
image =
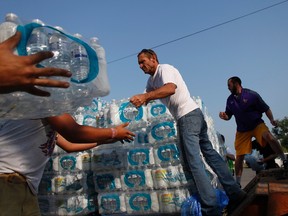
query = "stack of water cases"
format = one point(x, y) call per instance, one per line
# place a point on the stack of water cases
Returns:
point(85, 59)
point(144, 177)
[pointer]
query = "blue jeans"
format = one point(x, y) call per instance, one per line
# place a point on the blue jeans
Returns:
point(193, 137)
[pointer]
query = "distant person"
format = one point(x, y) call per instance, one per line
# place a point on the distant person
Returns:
point(267, 161)
point(166, 83)
point(247, 107)
point(26, 146)
point(19, 73)
point(229, 156)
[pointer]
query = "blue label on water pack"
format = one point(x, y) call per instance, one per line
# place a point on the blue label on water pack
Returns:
point(68, 162)
point(105, 181)
point(138, 157)
point(110, 203)
point(140, 202)
point(163, 130)
point(134, 178)
point(158, 109)
point(128, 112)
point(168, 152)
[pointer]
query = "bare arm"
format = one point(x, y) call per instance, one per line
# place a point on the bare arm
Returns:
point(230, 156)
point(19, 73)
point(73, 147)
point(270, 157)
point(269, 115)
point(162, 92)
point(66, 126)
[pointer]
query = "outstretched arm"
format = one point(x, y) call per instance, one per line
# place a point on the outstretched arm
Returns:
point(19, 73)
point(66, 126)
point(73, 147)
point(162, 92)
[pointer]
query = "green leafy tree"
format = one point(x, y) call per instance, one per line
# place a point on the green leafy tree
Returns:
point(281, 132)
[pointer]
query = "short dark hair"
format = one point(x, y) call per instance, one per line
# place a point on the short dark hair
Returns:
point(149, 53)
point(235, 79)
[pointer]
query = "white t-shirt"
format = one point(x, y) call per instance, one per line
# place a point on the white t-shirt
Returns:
point(26, 146)
point(180, 103)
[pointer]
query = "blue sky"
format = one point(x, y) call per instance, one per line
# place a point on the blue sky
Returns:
point(254, 48)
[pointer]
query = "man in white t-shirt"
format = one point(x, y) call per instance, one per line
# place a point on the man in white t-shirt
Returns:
point(166, 83)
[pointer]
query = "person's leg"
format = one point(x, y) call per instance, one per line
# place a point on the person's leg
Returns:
point(264, 136)
point(239, 168)
point(16, 197)
point(243, 146)
point(31, 206)
point(217, 163)
point(189, 130)
point(11, 196)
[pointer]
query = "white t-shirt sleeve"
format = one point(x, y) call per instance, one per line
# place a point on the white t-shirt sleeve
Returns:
point(167, 74)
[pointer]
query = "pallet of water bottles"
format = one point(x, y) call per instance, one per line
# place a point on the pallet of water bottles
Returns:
point(84, 58)
point(110, 170)
point(70, 181)
point(143, 177)
point(166, 202)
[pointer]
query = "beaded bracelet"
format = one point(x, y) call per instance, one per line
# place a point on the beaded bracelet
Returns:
point(114, 132)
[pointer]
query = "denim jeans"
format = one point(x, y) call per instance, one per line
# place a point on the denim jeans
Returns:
point(193, 137)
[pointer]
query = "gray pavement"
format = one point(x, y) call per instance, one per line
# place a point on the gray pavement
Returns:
point(247, 175)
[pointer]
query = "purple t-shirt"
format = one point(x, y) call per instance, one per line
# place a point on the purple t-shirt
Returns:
point(247, 109)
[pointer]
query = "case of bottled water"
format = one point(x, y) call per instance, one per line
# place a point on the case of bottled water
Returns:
point(85, 60)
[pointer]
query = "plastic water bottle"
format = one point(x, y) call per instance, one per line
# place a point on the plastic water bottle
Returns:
point(8, 27)
point(101, 83)
point(79, 60)
point(59, 45)
point(79, 68)
point(38, 41)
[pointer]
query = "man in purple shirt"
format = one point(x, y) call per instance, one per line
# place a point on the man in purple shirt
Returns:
point(247, 106)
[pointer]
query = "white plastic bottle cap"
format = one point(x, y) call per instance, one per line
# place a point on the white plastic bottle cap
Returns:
point(11, 17)
point(38, 21)
point(94, 39)
point(77, 35)
point(59, 28)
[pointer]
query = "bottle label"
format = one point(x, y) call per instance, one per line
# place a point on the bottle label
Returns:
point(134, 178)
point(110, 203)
point(105, 181)
point(68, 162)
point(78, 55)
point(140, 202)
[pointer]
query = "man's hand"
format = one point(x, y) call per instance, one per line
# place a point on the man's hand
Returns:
point(274, 123)
point(138, 100)
point(123, 133)
point(223, 116)
point(19, 73)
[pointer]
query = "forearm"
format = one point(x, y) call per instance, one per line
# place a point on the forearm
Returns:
point(269, 115)
point(271, 118)
point(270, 157)
point(75, 133)
point(73, 147)
point(163, 92)
point(87, 134)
